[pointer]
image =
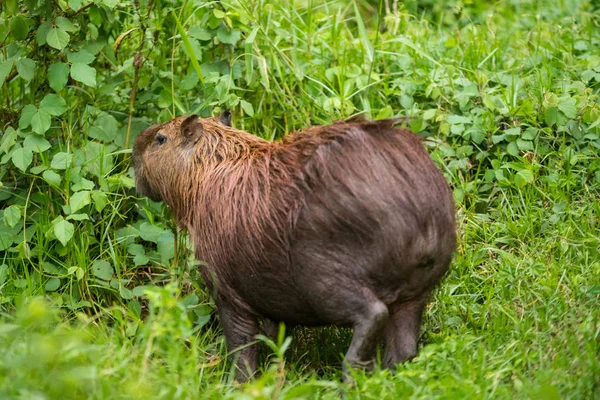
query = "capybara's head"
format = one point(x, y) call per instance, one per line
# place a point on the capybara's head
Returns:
point(165, 156)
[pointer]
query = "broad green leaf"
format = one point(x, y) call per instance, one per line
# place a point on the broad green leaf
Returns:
point(151, 233)
point(26, 115)
point(64, 231)
point(512, 149)
point(52, 285)
point(22, 158)
point(38, 169)
point(51, 177)
point(567, 106)
point(57, 38)
point(100, 200)
point(248, 109)
point(228, 36)
point(53, 105)
point(80, 183)
point(61, 160)
point(26, 68)
point(51, 268)
point(102, 269)
point(136, 249)
point(82, 56)
point(36, 143)
point(5, 68)
point(524, 145)
point(79, 200)
point(523, 177)
point(11, 7)
point(551, 116)
point(105, 128)
point(78, 217)
point(66, 25)
point(19, 27)
point(458, 119)
point(58, 75)
point(141, 259)
point(125, 293)
point(200, 33)
point(42, 33)
point(110, 3)
point(12, 215)
point(166, 247)
point(83, 73)
point(8, 139)
point(41, 121)
point(6, 239)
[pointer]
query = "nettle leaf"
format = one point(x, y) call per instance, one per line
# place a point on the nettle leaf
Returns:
point(82, 56)
point(57, 38)
point(26, 68)
point(26, 115)
point(51, 177)
point(63, 230)
point(42, 33)
point(102, 269)
point(58, 75)
point(41, 121)
point(22, 158)
point(79, 200)
point(36, 143)
point(12, 216)
point(5, 68)
point(53, 105)
point(83, 73)
point(61, 160)
point(66, 25)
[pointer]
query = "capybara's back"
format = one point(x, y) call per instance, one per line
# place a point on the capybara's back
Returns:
point(350, 224)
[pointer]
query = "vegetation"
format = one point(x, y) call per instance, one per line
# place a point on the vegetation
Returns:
point(99, 293)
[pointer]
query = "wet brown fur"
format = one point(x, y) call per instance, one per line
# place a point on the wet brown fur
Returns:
point(327, 226)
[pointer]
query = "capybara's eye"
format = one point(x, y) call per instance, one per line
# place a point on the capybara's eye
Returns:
point(161, 139)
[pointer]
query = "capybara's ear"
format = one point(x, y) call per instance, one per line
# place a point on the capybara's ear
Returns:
point(225, 118)
point(191, 126)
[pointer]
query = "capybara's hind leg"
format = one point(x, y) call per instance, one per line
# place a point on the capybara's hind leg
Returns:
point(401, 333)
point(368, 329)
point(240, 330)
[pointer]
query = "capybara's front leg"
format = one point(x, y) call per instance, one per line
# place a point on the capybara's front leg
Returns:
point(240, 329)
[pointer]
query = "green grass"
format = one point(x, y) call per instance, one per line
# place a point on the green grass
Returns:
point(508, 93)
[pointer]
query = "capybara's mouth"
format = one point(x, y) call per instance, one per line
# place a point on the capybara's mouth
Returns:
point(142, 187)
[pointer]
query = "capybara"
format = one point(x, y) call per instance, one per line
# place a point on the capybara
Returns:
point(349, 224)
